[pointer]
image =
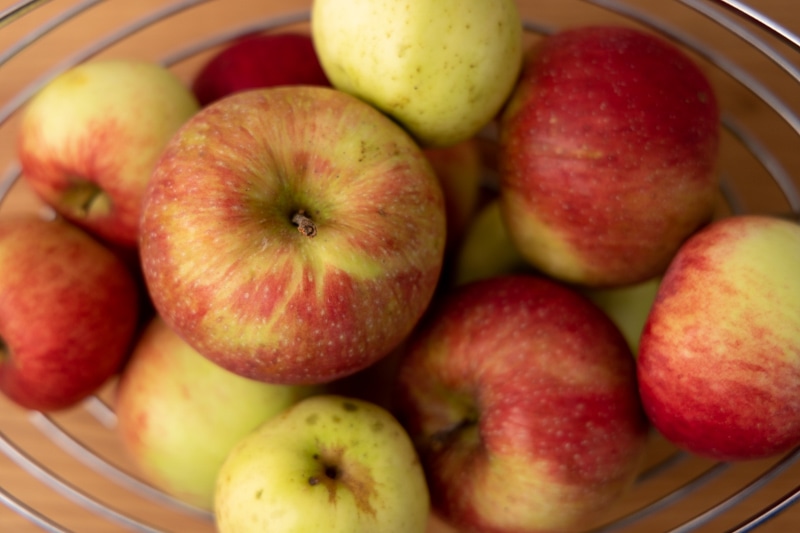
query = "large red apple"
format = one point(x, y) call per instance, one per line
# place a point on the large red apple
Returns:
point(607, 156)
point(259, 61)
point(521, 396)
point(89, 139)
point(68, 312)
point(719, 357)
point(293, 234)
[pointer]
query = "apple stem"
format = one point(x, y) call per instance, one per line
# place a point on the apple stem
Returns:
point(304, 224)
point(3, 350)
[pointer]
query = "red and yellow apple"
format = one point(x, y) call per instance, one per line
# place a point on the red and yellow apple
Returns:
point(719, 358)
point(293, 234)
point(69, 309)
point(608, 149)
point(521, 397)
point(89, 139)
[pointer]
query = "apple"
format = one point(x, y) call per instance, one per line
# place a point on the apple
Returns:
point(486, 250)
point(719, 357)
point(628, 306)
point(293, 234)
point(179, 414)
point(68, 312)
point(441, 69)
point(608, 149)
point(256, 61)
point(329, 463)
point(521, 397)
point(460, 172)
point(88, 141)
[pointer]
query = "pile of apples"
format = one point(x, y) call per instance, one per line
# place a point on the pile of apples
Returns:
point(399, 268)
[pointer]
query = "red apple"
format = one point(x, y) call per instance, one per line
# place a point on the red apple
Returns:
point(521, 396)
point(608, 152)
point(293, 234)
point(259, 61)
point(68, 312)
point(719, 357)
point(89, 139)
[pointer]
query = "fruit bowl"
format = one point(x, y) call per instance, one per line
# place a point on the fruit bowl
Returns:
point(66, 471)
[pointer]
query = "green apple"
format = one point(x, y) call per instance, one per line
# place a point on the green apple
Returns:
point(442, 69)
point(89, 139)
point(719, 358)
point(179, 414)
point(628, 306)
point(330, 463)
point(487, 250)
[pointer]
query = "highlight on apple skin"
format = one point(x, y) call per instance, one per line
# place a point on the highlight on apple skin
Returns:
point(608, 151)
point(521, 397)
point(719, 358)
point(293, 234)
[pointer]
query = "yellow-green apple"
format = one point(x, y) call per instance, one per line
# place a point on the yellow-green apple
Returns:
point(69, 308)
point(460, 172)
point(520, 395)
point(486, 250)
point(441, 69)
point(329, 463)
point(608, 148)
point(256, 61)
point(719, 358)
point(179, 414)
point(89, 139)
point(292, 234)
point(628, 306)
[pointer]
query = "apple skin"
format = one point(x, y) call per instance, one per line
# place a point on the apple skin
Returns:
point(256, 61)
point(608, 149)
point(521, 398)
point(68, 312)
point(89, 139)
point(628, 306)
point(179, 414)
point(460, 171)
point(329, 463)
point(441, 69)
point(229, 270)
point(719, 358)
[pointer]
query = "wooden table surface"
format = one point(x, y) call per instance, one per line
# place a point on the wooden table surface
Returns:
point(35, 440)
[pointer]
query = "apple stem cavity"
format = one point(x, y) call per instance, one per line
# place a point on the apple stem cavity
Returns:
point(304, 224)
point(87, 198)
point(4, 352)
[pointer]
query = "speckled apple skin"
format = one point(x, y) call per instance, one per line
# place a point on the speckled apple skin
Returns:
point(232, 274)
point(719, 359)
point(442, 69)
point(69, 310)
point(608, 153)
point(521, 397)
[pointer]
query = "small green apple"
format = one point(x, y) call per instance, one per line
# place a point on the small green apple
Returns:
point(442, 69)
point(486, 250)
point(179, 414)
point(628, 306)
point(329, 463)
